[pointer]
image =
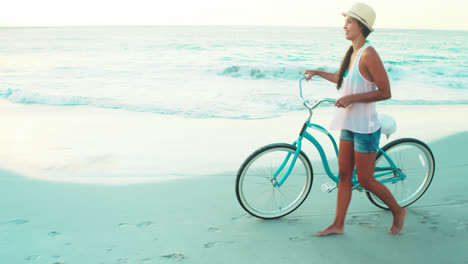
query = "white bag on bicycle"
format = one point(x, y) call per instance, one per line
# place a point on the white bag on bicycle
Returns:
point(387, 124)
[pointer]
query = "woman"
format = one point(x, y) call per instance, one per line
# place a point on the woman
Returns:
point(363, 81)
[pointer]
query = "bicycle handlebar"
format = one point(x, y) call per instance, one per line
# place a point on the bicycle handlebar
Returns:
point(317, 103)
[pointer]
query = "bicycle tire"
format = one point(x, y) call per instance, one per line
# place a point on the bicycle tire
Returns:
point(415, 159)
point(255, 189)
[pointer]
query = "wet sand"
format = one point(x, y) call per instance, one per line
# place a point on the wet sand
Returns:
point(197, 219)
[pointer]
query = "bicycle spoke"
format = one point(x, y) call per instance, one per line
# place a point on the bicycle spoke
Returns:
point(257, 193)
point(414, 159)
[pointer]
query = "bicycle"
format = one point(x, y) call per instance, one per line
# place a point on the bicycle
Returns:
point(276, 179)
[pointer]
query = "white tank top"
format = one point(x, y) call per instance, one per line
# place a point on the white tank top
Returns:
point(358, 117)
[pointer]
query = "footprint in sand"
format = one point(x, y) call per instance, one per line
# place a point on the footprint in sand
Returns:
point(33, 258)
point(144, 224)
point(241, 216)
point(19, 221)
point(54, 234)
point(366, 220)
point(174, 256)
point(211, 244)
point(424, 219)
point(146, 261)
point(297, 239)
point(214, 229)
point(354, 219)
point(366, 224)
point(427, 218)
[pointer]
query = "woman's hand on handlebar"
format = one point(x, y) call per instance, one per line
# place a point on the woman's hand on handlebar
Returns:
point(344, 101)
point(310, 74)
point(332, 77)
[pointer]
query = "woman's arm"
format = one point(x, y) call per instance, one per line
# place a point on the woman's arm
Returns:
point(332, 77)
point(372, 70)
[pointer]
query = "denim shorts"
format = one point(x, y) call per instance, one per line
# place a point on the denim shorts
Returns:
point(363, 143)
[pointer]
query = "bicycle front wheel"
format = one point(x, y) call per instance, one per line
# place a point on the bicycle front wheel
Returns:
point(416, 162)
point(255, 184)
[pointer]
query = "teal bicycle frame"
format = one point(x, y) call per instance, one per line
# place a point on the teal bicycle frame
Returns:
point(379, 171)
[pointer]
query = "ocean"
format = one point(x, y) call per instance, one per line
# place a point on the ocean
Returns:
point(234, 72)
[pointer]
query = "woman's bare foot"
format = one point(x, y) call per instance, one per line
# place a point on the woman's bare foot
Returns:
point(398, 221)
point(331, 230)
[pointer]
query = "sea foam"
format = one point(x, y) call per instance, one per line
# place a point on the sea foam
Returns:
point(213, 72)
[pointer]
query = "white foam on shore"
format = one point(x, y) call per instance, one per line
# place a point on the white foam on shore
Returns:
point(105, 146)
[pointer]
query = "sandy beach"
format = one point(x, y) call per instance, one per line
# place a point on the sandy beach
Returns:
point(86, 185)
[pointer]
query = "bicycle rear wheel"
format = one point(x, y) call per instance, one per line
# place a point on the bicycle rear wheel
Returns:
point(415, 160)
point(255, 186)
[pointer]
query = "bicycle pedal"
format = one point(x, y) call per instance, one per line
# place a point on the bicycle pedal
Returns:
point(328, 187)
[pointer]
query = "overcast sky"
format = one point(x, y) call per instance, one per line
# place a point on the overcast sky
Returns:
point(429, 14)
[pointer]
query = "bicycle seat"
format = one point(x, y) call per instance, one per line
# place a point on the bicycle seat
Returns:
point(387, 124)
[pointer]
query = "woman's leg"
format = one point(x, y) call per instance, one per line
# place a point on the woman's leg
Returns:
point(365, 165)
point(346, 168)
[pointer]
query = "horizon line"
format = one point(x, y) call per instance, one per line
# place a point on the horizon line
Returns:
point(212, 25)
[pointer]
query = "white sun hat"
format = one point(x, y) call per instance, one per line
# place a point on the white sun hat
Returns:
point(363, 13)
